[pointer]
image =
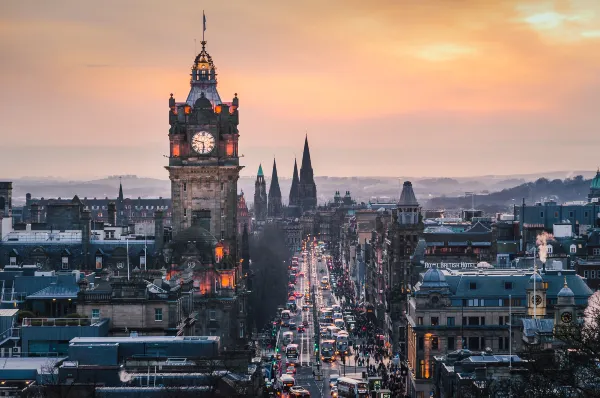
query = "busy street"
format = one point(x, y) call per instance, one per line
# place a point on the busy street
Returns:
point(324, 344)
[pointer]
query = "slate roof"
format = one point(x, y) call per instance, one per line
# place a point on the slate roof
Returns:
point(493, 285)
point(533, 326)
point(478, 227)
point(58, 291)
point(407, 197)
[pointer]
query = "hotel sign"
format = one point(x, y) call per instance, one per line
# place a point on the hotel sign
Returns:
point(451, 265)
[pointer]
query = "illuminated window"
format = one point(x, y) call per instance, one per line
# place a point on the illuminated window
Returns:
point(176, 150)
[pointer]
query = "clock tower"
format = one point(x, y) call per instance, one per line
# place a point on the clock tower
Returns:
point(536, 296)
point(204, 163)
point(566, 314)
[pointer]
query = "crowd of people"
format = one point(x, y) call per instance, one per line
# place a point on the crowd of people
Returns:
point(370, 349)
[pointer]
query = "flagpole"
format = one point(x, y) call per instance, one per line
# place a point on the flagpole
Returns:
point(127, 242)
point(203, 24)
point(145, 250)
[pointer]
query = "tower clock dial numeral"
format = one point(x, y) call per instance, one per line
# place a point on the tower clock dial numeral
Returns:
point(203, 142)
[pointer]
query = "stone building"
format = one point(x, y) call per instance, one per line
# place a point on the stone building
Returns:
point(243, 215)
point(142, 303)
point(453, 310)
point(274, 206)
point(127, 210)
point(204, 162)
point(260, 197)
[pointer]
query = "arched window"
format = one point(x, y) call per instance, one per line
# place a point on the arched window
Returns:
point(549, 248)
point(573, 249)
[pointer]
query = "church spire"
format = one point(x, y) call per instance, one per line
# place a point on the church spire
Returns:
point(306, 164)
point(120, 198)
point(294, 193)
point(274, 205)
point(274, 189)
point(307, 187)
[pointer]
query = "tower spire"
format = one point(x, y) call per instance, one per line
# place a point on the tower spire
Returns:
point(120, 190)
point(274, 205)
point(294, 193)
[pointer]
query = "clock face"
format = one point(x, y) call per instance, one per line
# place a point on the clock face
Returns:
point(203, 142)
point(536, 299)
point(566, 317)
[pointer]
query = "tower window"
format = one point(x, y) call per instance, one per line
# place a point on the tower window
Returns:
point(222, 186)
point(185, 212)
point(185, 187)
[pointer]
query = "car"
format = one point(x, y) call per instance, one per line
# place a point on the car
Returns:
point(301, 329)
point(291, 370)
point(301, 274)
point(298, 294)
point(292, 325)
point(298, 391)
point(305, 307)
point(305, 323)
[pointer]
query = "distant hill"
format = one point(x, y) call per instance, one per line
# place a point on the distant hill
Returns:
point(570, 189)
point(361, 188)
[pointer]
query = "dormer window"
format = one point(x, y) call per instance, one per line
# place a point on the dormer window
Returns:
point(549, 249)
point(12, 260)
point(472, 285)
point(573, 249)
point(65, 262)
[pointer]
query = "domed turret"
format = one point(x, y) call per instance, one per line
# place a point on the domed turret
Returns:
point(566, 295)
point(434, 278)
point(537, 278)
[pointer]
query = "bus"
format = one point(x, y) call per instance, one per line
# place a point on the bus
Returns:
point(327, 350)
point(326, 315)
point(325, 282)
point(285, 317)
point(287, 382)
point(332, 331)
point(291, 353)
point(341, 343)
point(352, 388)
point(293, 279)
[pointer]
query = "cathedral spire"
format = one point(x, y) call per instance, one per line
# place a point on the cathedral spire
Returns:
point(307, 187)
point(260, 172)
point(294, 190)
point(306, 164)
point(274, 189)
point(274, 205)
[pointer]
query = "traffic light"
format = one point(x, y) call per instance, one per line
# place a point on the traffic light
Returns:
point(277, 349)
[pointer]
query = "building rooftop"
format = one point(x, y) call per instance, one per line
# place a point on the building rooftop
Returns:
point(141, 339)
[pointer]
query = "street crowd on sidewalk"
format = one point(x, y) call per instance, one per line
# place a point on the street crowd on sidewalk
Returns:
point(369, 349)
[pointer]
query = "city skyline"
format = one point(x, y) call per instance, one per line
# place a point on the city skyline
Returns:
point(386, 90)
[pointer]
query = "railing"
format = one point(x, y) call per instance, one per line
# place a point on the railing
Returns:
point(96, 296)
point(57, 322)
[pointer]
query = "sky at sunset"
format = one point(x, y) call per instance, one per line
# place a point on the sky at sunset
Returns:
point(383, 87)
